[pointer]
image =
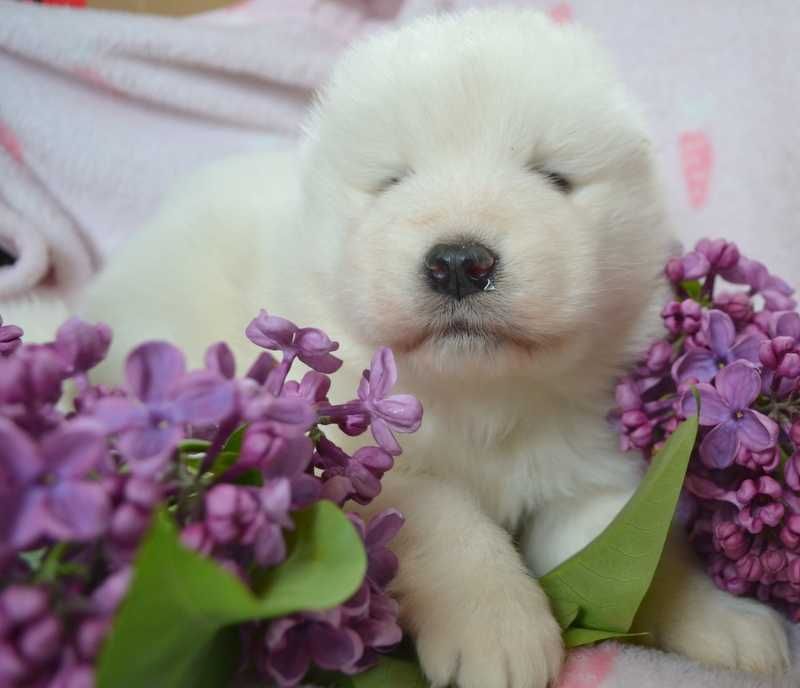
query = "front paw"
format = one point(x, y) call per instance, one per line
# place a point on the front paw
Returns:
point(501, 637)
point(733, 632)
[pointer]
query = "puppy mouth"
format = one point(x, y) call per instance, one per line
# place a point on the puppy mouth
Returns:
point(470, 336)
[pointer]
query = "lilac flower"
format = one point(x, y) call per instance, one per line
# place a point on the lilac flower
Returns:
point(10, 338)
point(296, 641)
point(692, 266)
point(725, 348)
point(354, 477)
point(166, 399)
point(398, 412)
point(726, 407)
point(81, 345)
point(720, 254)
point(345, 639)
point(785, 324)
point(32, 377)
point(759, 502)
point(725, 575)
point(312, 346)
point(250, 516)
point(776, 293)
point(45, 489)
point(30, 636)
point(731, 539)
point(682, 318)
point(736, 305)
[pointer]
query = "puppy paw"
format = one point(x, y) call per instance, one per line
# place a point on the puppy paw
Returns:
point(503, 638)
point(727, 631)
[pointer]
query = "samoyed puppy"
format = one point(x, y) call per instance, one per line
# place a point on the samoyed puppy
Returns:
point(477, 192)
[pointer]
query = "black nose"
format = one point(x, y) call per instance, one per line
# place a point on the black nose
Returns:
point(459, 270)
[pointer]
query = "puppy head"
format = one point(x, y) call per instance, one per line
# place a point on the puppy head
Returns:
point(481, 192)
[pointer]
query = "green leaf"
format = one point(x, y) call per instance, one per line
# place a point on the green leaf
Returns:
point(565, 611)
point(391, 672)
point(171, 629)
point(608, 579)
point(225, 459)
point(576, 636)
point(193, 446)
point(234, 442)
point(693, 289)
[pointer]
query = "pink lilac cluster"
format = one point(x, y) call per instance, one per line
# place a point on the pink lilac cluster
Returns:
point(78, 488)
point(733, 338)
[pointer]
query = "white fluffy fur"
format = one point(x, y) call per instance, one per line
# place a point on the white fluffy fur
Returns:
point(460, 108)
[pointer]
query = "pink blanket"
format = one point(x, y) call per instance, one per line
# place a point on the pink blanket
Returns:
point(101, 112)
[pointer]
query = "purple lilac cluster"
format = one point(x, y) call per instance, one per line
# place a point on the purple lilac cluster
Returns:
point(733, 337)
point(78, 488)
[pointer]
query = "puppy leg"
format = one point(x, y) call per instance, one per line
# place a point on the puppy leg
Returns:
point(687, 613)
point(684, 611)
point(479, 619)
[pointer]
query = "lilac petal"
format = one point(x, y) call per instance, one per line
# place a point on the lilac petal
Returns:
point(31, 517)
point(306, 489)
point(721, 332)
point(718, 448)
point(382, 566)
point(738, 385)
point(786, 324)
point(334, 648)
point(383, 373)
point(261, 368)
point(116, 414)
point(337, 489)
point(108, 596)
point(291, 411)
point(288, 664)
point(382, 634)
point(313, 342)
point(74, 449)
point(219, 359)
point(287, 458)
point(698, 364)
point(269, 548)
point(374, 458)
point(270, 331)
point(81, 507)
point(276, 498)
point(713, 409)
point(746, 348)
point(383, 527)
point(149, 442)
point(384, 437)
point(402, 412)
point(315, 386)
point(358, 605)
point(777, 284)
point(756, 431)
point(20, 461)
point(775, 301)
point(203, 398)
point(81, 345)
point(152, 369)
point(695, 265)
point(325, 363)
point(367, 486)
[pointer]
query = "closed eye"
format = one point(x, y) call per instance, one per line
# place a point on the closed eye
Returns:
point(389, 182)
point(559, 181)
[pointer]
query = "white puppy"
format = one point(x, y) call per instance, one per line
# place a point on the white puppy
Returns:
point(478, 193)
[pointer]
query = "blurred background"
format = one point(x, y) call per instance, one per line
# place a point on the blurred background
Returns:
point(104, 104)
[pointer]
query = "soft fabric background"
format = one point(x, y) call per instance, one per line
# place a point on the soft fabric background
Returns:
point(101, 112)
